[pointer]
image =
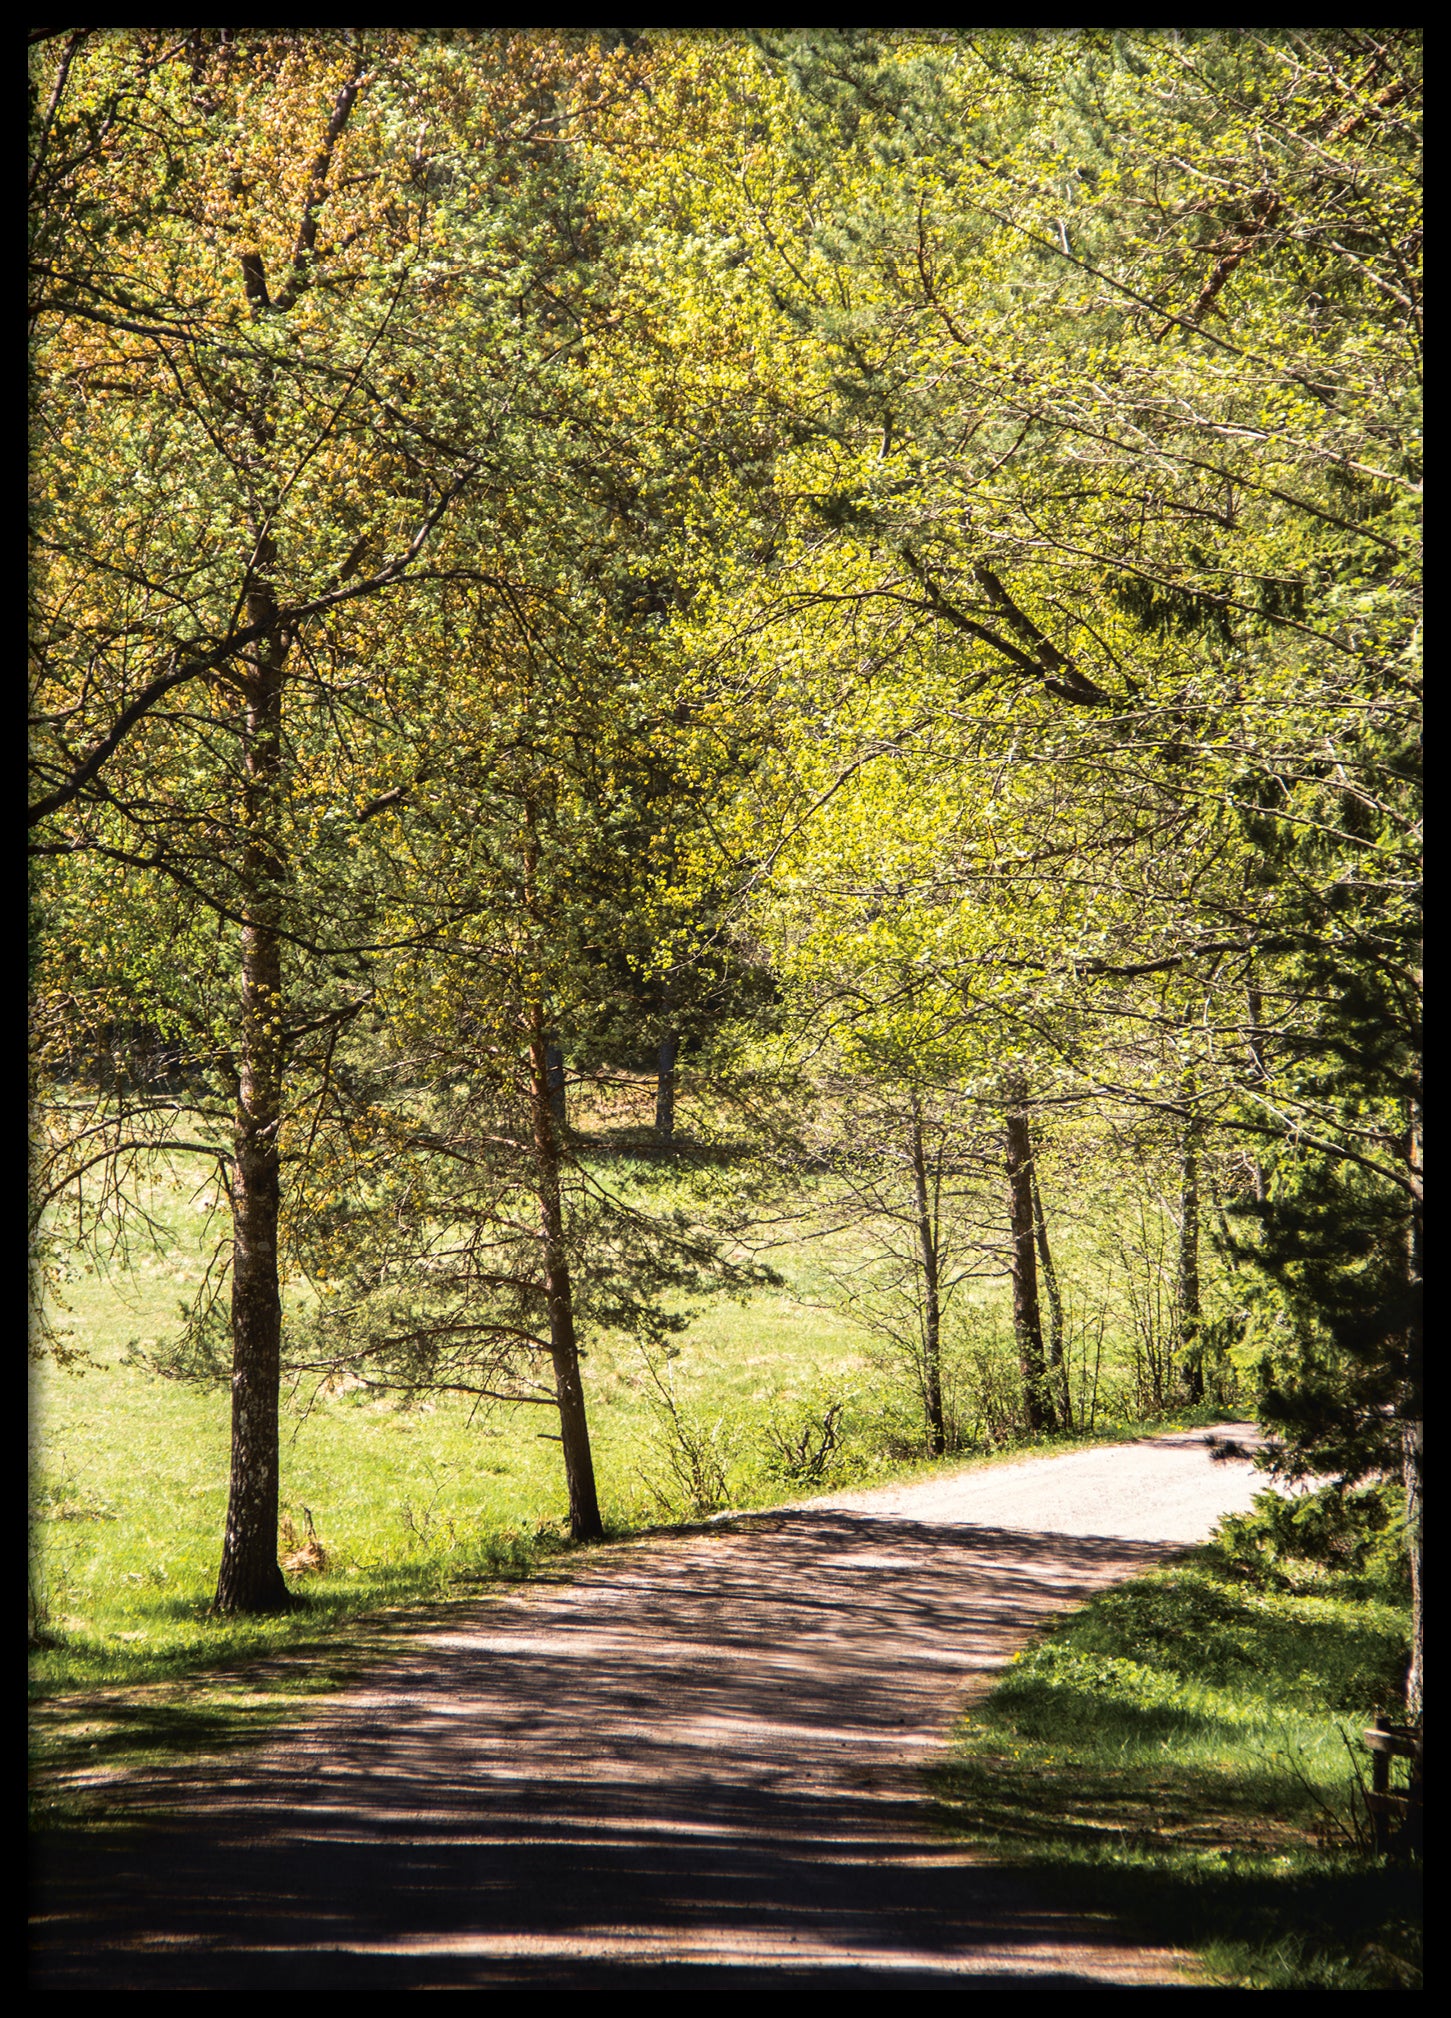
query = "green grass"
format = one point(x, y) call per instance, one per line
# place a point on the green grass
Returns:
point(1175, 1753)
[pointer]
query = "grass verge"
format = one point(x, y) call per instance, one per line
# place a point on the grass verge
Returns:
point(1179, 1753)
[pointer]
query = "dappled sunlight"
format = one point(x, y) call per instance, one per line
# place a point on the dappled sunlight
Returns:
point(712, 1740)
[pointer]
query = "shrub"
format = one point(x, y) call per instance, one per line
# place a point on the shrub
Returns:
point(1355, 1532)
point(806, 1447)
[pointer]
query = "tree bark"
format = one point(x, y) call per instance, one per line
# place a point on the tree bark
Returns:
point(1038, 1409)
point(1191, 1360)
point(1412, 1426)
point(249, 1579)
point(931, 1290)
point(1412, 1480)
point(665, 1088)
point(584, 1512)
point(1058, 1369)
point(554, 1075)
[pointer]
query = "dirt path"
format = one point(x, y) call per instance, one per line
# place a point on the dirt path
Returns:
point(697, 1754)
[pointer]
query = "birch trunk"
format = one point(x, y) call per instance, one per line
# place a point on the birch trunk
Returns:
point(929, 1258)
point(1038, 1410)
point(249, 1579)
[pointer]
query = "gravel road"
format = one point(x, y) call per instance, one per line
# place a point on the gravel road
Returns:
point(694, 1757)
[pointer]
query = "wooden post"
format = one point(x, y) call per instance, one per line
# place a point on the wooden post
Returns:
point(1395, 1817)
point(1380, 1785)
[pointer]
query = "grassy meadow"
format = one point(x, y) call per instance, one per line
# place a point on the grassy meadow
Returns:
point(386, 1506)
point(129, 1469)
point(389, 1510)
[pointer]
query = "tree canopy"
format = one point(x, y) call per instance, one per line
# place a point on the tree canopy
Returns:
point(844, 573)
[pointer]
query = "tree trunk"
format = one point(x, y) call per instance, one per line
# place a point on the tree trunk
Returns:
point(1412, 1480)
point(1256, 1074)
point(931, 1291)
point(554, 1077)
point(1058, 1369)
point(665, 1088)
point(1191, 1360)
point(249, 1579)
point(1412, 1427)
point(1038, 1409)
point(584, 1512)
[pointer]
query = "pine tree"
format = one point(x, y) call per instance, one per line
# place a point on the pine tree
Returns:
point(1337, 1228)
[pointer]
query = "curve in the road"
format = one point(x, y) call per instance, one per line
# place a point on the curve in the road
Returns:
point(697, 1754)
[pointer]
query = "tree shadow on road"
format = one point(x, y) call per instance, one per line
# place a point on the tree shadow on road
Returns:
point(699, 1753)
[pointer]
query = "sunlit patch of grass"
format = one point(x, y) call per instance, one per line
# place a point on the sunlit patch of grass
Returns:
point(1175, 1753)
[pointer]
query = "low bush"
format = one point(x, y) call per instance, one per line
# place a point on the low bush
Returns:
point(1354, 1532)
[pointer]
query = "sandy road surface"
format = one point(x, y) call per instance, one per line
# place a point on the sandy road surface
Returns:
point(695, 1759)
